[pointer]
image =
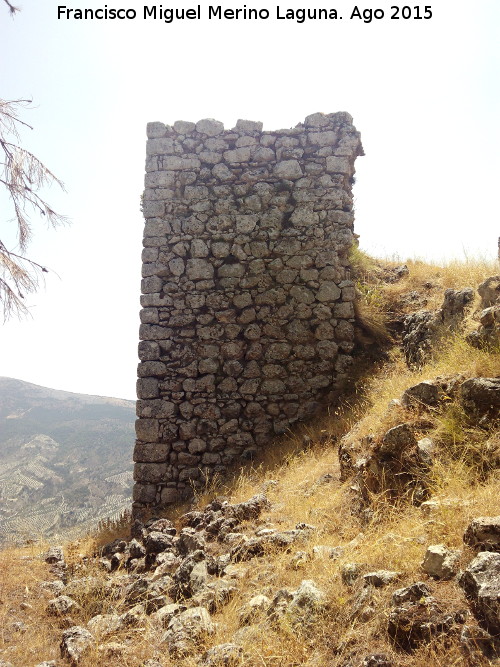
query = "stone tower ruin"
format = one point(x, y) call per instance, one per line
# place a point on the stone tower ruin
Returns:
point(247, 307)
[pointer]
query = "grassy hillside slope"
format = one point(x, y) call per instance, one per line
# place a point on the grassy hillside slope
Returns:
point(343, 523)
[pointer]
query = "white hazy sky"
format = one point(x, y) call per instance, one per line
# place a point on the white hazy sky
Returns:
point(424, 94)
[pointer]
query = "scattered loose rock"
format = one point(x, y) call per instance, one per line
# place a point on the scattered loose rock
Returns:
point(483, 533)
point(223, 655)
point(76, 641)
point(62, 606)
point(104, 625)
point(482, 396)
point(253, 609)
point(186, 630)
point(481, 583)
point(440, 562)
point(380, 578)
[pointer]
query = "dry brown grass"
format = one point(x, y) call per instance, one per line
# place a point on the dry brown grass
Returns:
point(21, 571)
point(429, 279)
point(395, 539)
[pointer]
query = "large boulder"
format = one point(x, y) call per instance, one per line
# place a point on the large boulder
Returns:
point(481, 583)
point(417, 617)
point(489, 291)
point(481, 396)
point(427, 392)
point(187, 630)
point(483, 533)
point(419, 330)
point(423, 330)
point(455, 305)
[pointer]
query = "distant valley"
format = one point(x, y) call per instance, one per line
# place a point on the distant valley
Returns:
point(65, 460)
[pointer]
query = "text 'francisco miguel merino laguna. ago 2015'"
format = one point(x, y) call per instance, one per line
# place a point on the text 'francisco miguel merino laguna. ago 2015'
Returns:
point(218, 12)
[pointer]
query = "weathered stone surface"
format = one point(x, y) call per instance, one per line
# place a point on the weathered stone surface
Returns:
point(184, 127)
point(411, 593)
point(157, 541)
point(244, 270)
point(254, 608)
point(104, 625)
point(423, 330)
point(337, 165)
point(380, 578)
point(223, 655)
point(478, 644)
point(186, 629)
point(76, 641)
point(248, 126)
point(482, 395)
point(481, 583)
point(210, 126)
point(288, 169)
point(483, 533)
point(440, 562)
point(418, 620)
point(455, 304)
point(396, 439)
point(489, 291)
point(297, 608)
point(54, 555)
point(426, 393)
point(62, 606)
point(490, 316)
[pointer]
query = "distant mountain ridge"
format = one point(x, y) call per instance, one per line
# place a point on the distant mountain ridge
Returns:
point(66, 459)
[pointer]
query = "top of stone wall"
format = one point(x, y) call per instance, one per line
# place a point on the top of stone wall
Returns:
point(209, 127)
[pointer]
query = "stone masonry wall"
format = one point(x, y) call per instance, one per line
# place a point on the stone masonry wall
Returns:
point(247, 307)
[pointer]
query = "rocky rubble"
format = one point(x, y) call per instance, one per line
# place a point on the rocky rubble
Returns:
point(423, 329)
point(489, 330)
point(399, 461)
point(177, 578)
point(481, 583)
point(417, 617)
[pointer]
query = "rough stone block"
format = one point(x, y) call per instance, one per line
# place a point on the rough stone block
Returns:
point(238, 155)
point(147, 388)
point(317, 120)
point(248, 126)
point(149, 350)
point(440, 562)
point(147, 430)
point(288, 169)
point(144, 493)
point(155, 130)
point(150, 473)
point(338, 165)
point(151, 369)
point(175, 163)
point(155, 452)
point(184, 127)
point(210, 127)
point(159, 146)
